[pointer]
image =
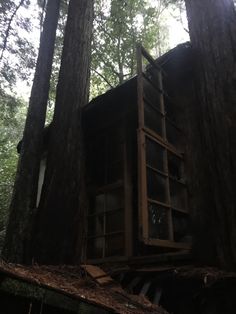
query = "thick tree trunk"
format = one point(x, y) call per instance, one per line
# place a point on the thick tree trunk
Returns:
point(22, 208)
point(212, 25)
point(60, 222)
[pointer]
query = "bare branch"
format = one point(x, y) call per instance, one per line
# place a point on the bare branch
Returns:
point(181, 22)
point(106, 62)
point(103, 77)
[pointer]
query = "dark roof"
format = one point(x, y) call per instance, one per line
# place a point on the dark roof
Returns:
point(175, 60)
point(111, 106)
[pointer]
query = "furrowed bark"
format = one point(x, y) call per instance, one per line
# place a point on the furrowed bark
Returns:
point(61, 219)
point(23, 203)
point(213, 36)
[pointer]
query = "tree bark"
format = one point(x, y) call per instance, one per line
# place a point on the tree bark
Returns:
point(61, 217)
point(212, 25)
point(22, 207)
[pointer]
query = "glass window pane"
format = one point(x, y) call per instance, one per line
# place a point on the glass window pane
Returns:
point(156, 186)
point(114, 199)
point(115, 221)
point(154, 154)
point(152, 119)
point(158, 222)
point(178, 195)
point(181, 227)
point(175, 166)
point(114, 245)
point(95, 248)
point(95, 225)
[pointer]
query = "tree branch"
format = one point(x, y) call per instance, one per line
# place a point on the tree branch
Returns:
point(9, 27)
point(103, 77)
point(106, 62)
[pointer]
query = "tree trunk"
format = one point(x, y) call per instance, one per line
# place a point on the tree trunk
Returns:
point(61, 217)
point(212, 25)
point(22, 207)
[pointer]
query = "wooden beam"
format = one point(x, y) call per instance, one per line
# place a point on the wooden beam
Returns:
point(98, 274)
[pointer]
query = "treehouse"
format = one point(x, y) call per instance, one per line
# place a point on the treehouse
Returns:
point(142, 211)
point(137, 169)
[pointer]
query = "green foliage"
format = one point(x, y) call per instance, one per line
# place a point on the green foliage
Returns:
point(12, 112)
point(17, 52)
point(118, 26)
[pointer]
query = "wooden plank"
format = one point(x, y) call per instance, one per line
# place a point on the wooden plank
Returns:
point(157, 296)
point(175, 126)
point(105, 234)
point(142, 181)
point(142, 185)
point(145, 288)
point(140, 86)
point(149, 58)
point(134, 283)
point(145, 259)
point(180, 210)
point(148, 103)
point(157, 138)
point(161, 173)
point(166, 165)
point(111, 259)
point(167, 243)
point(98, 274)
point(168, 206)
point(128, 193)
point(152, 269)
point(157, 90)
point(182, 183)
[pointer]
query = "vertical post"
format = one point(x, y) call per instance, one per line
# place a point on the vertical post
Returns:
point(143, 203)
point(140, 86)
point(128, 193)
point(162, 106)
point(142, 179)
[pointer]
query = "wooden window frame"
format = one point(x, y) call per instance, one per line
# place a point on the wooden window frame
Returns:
point(142, 133)
point(126, 185)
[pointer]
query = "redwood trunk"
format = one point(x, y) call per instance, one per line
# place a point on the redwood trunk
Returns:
point(212, 25)
point(22, 207)
point(61, 218)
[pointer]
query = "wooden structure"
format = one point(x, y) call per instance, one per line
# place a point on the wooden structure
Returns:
point(136, 162)
point(65, 290)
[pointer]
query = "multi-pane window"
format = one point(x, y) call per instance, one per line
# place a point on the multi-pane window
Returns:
point(106, 224)
point(105, 233)
point(166, 192)
point(162, 185)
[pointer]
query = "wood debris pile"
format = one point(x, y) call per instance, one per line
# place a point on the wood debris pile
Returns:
point(78, 283)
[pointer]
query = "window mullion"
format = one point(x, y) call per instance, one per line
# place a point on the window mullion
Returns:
point(166, 170)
